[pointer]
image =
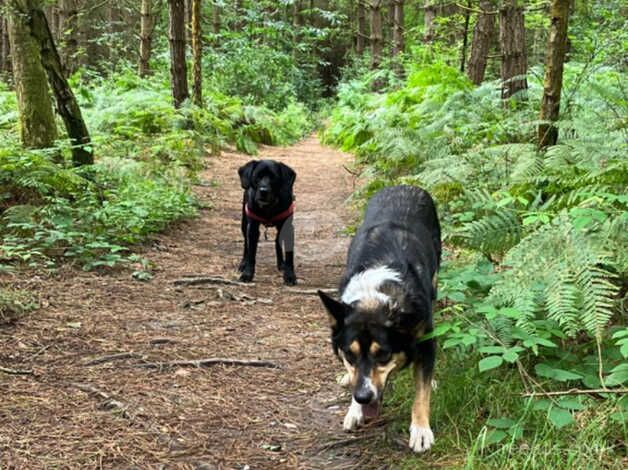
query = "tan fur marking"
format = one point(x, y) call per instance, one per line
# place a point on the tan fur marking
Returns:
point(435, 280)
point(368, 304)
point(353, 376)
point(421, 405)
point(355, 348)
point(379, 374)
point(374, 347)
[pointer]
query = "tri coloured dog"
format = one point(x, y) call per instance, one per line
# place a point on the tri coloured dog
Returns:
point(386, 297)
point(268, 200)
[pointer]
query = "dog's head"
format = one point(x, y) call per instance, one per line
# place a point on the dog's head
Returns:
point(373, 339)
point(267, 180)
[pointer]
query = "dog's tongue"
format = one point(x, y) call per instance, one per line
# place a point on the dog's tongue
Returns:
point(371, 410)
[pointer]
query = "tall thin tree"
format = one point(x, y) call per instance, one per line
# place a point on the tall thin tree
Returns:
point(197, 54)
point(361, 33)
point(481, 42)
point(553, 82)
point(216, 17)
point(147, 23)
point(514, 66)
point(398, 27)
point(176, 36)
point(67, 106)
point(38, 128)
point(377, 36)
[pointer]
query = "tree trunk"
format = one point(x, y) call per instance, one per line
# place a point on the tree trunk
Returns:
point(481, 43)
point(553, 82)
point(188, 21)
point(377, 38)
point(147, 24)
point(197, 53)
point(37, 121)
point(239, 13)
point(67, 106)
point(178, 68)
point(5, 47)
point(69, 32)
point(215, 18)
point(428, 21)
point(465, 36)
point(361, 37)
point(513, 48)
point(398, 27)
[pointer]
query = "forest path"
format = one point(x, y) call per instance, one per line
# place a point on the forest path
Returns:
point(230, 417)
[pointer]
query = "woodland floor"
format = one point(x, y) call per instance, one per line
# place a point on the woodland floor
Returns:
point(69, 414)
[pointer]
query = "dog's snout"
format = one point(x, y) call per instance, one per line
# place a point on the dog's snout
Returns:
point(364, 395)
point(264, 190)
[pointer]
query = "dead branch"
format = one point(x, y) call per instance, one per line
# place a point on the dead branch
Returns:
point(197, 280)
point(311, 291)
point(207, 363)
point(577, 391)
point(112, 357)
point(6, 370)
point(109, 402)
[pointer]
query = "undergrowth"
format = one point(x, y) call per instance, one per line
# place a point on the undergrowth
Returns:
point(148, 157)
point(534, 287)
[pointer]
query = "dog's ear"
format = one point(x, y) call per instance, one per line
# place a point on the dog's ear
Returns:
point(246, 172)
point(288, 175)
point(337, 310)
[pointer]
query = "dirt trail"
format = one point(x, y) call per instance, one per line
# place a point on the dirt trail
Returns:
point(217, 417)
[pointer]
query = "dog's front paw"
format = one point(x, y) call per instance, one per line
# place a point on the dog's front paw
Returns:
point(421, 439)
point(289, 278)
point(246, 276)
point(354, 417)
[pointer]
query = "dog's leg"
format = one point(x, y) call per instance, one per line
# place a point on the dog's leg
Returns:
point(287, 236)
point(421, 436)
point(243, 227)
point(278, 249)
point(354, 416)
point(251, 240)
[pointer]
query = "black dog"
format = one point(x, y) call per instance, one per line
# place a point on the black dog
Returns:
point(386, 297)
point(268, 200)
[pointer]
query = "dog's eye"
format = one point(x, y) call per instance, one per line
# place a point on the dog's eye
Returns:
point(383, 357)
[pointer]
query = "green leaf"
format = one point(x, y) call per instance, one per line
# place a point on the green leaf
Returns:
point(494, 436)
point(618, 376)
point(490, 362)
point(561, 375)
point(501, 423)
point(560, 417)
point(570, 403)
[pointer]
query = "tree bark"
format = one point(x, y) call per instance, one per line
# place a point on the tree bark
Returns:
point(197, 53)
point(69, 32)
point(514, 65)
point(147, 24)
point(481, 42)
point(465, 36)
point(361, 37)
point(553, 82)
point(398, 27)
point(67, 106)
point(377, 38)
point(178, 67)
point(215, 18)
point(37, 121)
point(428, 21)
point(5, 47)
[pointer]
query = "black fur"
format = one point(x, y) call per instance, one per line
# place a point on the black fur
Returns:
point(268, 192)
point(400, 231)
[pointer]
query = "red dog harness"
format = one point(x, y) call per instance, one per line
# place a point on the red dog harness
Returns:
point(273, 220)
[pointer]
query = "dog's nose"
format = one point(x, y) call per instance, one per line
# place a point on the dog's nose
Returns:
point(363, 395)
point(263, 191)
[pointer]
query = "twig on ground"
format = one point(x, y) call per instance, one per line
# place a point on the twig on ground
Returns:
point(109, 402)
point(6, 370)
point(197, 280)
point(327, 290)
point(207, 363)
point(576, 391)
point(112, 357)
